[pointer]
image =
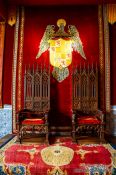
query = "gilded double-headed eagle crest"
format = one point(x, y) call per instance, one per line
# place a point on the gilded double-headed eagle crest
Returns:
point(61, 44)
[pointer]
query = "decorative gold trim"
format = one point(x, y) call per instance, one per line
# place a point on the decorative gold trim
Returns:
point(15, 52)
point(20, 59)
point(61, 22)
point(12, 15)
point(2, 35)
point(101, 60)
point(56, 170)
point(107, 59)
point(60, 74)
point(111, 13)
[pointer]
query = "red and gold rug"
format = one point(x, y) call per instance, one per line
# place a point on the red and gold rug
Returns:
point(61, 158)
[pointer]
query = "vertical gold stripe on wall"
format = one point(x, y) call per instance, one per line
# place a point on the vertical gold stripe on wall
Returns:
point(101, 59)
point(107, 59)
point(2, 34)
point(15, 52)
point(20, 60)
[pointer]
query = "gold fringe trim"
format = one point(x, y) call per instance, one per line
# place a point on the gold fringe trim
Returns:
point(20, 59)
point(107, 59)
point(15, 52)
point(101, 59)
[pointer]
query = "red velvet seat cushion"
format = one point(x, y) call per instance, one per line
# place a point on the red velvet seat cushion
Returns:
point(88, 120)
point(33, 121)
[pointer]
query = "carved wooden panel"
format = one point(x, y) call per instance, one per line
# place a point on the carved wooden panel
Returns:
point(76, 90)
point(85, 89)
point(37, 89)
point(28, 89)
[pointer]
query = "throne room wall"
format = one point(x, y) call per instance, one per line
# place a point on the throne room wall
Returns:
point(2, 9)
point(85, 18)
point(36, 20)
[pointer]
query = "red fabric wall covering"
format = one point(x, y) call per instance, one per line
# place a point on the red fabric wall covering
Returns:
point(59, 2)
point(113, 63)
point(85, 18)
point(2, 8)
point(8, 58)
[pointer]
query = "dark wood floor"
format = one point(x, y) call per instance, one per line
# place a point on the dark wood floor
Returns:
point(88, 140)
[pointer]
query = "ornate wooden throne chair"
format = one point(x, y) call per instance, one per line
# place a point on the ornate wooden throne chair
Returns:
point(33, 119)
point(87, 120)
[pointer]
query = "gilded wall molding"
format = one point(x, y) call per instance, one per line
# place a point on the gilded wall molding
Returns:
point(20, 59)
point(101, 59)
point(104, 59)
point(2, 36)
point(107, 60)
point(15, 53)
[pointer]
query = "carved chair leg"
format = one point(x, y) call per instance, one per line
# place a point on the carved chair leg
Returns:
point(73, 132)
point(19, 138)
point(73, 128)
point(47, 135)
point(73, 136)
point(20, 135)
point(101, 134)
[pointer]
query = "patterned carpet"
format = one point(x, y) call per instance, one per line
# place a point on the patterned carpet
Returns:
point(60, 158)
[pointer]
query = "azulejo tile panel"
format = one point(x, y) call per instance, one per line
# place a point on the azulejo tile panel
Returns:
point(5, 120)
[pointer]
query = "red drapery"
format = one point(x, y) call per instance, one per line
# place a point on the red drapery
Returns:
point(85, 18)
point(113, 63)
point(8, 58)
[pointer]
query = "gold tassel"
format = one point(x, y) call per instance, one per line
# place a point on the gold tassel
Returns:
point(111, 12)
point(12, 15)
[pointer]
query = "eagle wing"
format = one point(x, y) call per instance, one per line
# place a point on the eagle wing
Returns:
point(44, 45)
point(77, 44)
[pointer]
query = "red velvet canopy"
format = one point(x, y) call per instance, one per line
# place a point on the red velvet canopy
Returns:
point(58, 2)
